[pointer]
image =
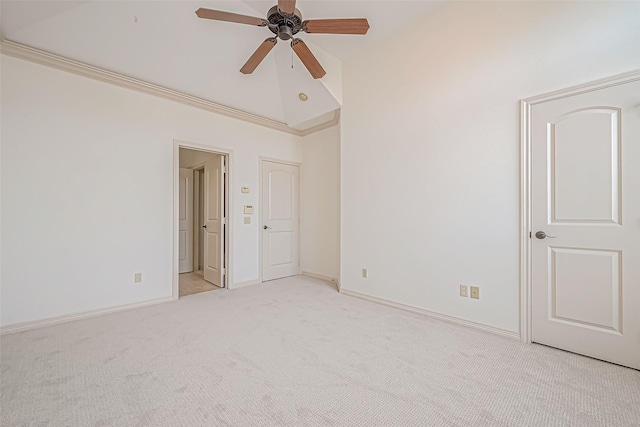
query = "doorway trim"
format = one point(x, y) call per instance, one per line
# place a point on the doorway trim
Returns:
point(196, 213)
point(228, 246)
point(261, 161)
point(525, 183)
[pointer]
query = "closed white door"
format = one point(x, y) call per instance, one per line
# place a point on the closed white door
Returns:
point(185, 215)
point(214, 221)
point(585, 196)
point(280, 223)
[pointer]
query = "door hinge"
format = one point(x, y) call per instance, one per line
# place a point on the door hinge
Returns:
point(529, 234)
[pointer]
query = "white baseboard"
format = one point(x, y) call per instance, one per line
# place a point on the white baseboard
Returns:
point(446, 318)
point(322, 277)
point(35, 324)
point(244, 284)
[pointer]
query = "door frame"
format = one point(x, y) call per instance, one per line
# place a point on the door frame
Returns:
point(261, 161)
point(189, 197)
point(228, 244)
point(525, 183)
point(196, 215)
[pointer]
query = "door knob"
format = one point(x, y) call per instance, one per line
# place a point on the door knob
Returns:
point(542, 235)
point(266, 227)
point(204, 226)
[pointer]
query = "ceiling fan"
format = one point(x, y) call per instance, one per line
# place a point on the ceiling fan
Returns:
point(285, 21)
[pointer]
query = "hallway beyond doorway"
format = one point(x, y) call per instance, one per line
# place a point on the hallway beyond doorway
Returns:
point(194, 283)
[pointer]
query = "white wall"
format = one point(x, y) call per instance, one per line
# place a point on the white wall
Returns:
point(430, 145)
point(87, 190)
point(320, 203)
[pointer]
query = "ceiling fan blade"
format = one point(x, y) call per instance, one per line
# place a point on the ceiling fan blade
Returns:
point(219, 15)
point(257, 57)
point(337, 26)
point(287, 6)
point(307, 58)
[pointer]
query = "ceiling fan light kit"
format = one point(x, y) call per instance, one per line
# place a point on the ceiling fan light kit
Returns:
point(285, 21)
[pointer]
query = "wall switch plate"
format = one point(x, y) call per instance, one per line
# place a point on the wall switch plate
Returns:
point(464, 291)
point(248, 209)
point(475, 292)
point(137, 278)
point(365, 273)
point(247, 220)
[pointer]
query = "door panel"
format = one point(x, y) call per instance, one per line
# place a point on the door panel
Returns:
point(185, 220)
point(281, 194)
point(585, 195)
point(585, 182)
point(213, 243)
point(280, 248)
point(214, 221)
point(280, 210)
point(597, 307)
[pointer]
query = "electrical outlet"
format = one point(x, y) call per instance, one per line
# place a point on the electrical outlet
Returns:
point(464, 291)
point(137, 278)
point(365, 273)
point(475, 292)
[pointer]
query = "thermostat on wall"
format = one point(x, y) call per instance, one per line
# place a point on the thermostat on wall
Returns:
point(244, 189)
point(248, 209)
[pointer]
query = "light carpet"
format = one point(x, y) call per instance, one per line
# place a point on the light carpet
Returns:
point(294, 352)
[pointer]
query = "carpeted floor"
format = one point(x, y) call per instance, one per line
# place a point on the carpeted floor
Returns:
point(294, 352)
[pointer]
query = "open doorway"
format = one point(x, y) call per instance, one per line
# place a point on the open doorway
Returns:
point(202, 250)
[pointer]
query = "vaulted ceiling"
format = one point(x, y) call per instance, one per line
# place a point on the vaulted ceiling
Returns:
point(163, 42)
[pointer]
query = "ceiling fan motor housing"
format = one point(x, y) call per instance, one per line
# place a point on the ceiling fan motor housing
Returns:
point(283, 25)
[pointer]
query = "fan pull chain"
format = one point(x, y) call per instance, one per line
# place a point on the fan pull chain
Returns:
point(292, 59)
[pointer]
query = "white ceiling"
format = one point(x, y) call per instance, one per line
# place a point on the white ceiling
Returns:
point(163, 42)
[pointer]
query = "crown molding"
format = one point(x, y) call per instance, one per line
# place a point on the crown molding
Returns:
point(329, 123)
point(38, 56)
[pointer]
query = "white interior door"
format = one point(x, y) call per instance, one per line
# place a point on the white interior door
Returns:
point(585, 192)
point(280, 220)
point(185, 215)
point(214, 221)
